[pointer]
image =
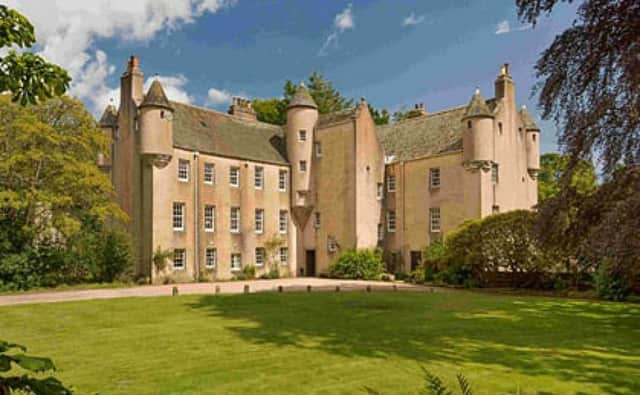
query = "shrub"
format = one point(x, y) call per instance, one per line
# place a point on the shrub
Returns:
point(365, 264)
point(611, 284)
point(160, 257)
point(249, 272)
point(417, 276)
point(116, 256)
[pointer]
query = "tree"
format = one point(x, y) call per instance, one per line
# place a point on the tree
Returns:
point(589, 84)
point(273, 111)
point(553, 166)
point(24, 383)
point(380, 117)
point(27, 76)
point(49, 181)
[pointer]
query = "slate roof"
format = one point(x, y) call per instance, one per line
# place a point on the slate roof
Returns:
point(302, 98)
point(155, 96)
point(213, 132)
point(426, 135)
point(109, 117)
point(325, 120)
point(527, 120)
point(478, 106)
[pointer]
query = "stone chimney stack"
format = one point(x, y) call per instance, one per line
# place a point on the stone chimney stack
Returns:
point(418, 111)
point(242, 108)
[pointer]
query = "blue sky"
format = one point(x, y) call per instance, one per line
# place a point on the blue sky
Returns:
point(394, 53)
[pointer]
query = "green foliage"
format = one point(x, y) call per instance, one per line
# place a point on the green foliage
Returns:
point(249, 272)
point(435, 386)
point(552, 169)
point(611, 284)
point(364, 264)
point(27, 76)
point(160, 258)
point(25, 383)
point(273, 111)
point(380, 117)
point(418, 276)
point(116, 256)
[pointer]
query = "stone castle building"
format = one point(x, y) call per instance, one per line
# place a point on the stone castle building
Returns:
point(223, 190)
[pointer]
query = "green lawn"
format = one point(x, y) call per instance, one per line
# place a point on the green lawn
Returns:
point(334, 343)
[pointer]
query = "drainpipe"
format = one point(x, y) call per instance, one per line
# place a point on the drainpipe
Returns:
point(196, 215)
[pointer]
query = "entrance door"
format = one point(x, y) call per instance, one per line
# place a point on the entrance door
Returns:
point(416, 259)
point(310, 263)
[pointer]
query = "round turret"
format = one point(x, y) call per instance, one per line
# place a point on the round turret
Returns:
point(302, 115)
point(477, 138)
point(532, 141)
point(156, 126)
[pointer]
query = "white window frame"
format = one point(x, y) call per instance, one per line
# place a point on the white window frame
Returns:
point(283, 221)
point(210, 258)
point(183, 253)
point(302, 135)
point(435, 220)
point(178, 215)
point(316, 220)
point(259, 220)
point(379, 191)
point(258, 177)
point(282, 180)
point(234, 220)
point(284, 255)
point(391, 183)
point(209, 220)
point(234, 172)
point(434, 178)
point(238, 268)
point(302, 166)
point(260, 256)
point(391, 221)
point(318, 149)
point(209, 177)
point(380, 232)
point(332, 245)
point(184, 167)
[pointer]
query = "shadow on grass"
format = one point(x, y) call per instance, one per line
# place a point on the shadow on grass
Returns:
point(587, 342)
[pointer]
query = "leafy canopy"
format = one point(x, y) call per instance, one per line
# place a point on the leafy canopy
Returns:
point(553, 166)
point(48, 174)
point(27, 76)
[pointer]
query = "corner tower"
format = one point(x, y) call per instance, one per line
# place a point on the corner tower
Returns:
point(477, 137)
point(156, 127)
point(302, 116)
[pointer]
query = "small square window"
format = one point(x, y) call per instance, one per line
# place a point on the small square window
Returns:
point(434, 177)
point(259, 220)
point(179, 259)
point(282, 180)
point(302, 135)
point(234, 176)
point(391, 183)
point(183, 170)
point(260, 254)
point(210, 258)
point(303, 166)
point(209, 173)
point(495, 209)
point(236, 262)
point(434, 219)
point(283, 221)
point(209, 218)
point(259, 177)
point(234, 223)
point(178, 216)
point(332, 244)
point(391, 221)
point(379, 191)
point(284, 255)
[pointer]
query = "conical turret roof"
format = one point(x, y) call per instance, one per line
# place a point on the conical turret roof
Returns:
point(109, 117)
point(155, 96)
point(527, 120)
point(302, 98)
point(477, 106)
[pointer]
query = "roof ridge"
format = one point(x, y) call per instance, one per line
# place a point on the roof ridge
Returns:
point(427, 115)
point(233, 118)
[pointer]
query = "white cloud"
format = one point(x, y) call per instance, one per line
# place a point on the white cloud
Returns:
point(66, 31)
point(504, 27)
point(342, 22)
point(412, 19)
point(216, 97)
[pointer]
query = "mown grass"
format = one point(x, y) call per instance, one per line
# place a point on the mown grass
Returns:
point(334, 343)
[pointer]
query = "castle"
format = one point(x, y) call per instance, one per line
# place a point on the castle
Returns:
point(223, 190)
